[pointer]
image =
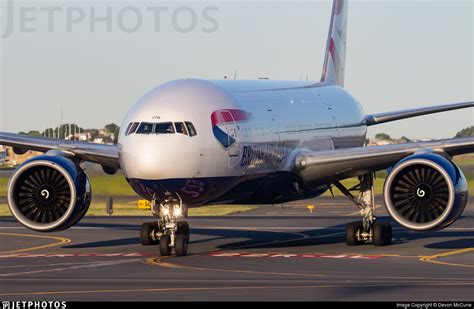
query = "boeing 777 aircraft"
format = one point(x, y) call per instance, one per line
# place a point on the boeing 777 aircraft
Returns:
point(192, 142)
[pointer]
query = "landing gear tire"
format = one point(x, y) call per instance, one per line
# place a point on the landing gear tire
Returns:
point(165, 249)
point(183, 229)
point(147, 234)
point(382, 234)
point(181, 245)
point(352, 230)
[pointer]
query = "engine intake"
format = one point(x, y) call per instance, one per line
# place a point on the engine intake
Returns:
point(49, 193)
point(425, 192)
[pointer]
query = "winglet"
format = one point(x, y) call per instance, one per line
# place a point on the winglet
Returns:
point(334, 62)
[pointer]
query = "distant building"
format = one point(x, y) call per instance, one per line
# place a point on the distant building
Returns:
point(104, 132)
point(83, 137)
point(3, 155)
point(12, 159)
point(380, 142)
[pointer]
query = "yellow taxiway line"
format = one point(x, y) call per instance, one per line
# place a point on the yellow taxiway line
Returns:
point(230, 288)
point(433, 258)
point(60, 241)
point(161, 262)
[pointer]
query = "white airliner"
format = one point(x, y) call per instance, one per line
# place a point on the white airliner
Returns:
point(192, 142)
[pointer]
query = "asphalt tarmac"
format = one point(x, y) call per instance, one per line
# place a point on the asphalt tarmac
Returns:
point(273, 253)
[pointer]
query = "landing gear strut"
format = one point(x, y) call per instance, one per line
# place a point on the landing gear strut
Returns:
point(170, 231)
point(367, 230)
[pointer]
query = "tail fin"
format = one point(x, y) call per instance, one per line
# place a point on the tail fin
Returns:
point(335, 59)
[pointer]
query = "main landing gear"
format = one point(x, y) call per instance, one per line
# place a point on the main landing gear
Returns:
point(170, 231)
point(368, 229)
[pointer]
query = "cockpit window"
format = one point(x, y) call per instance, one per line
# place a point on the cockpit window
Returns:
point(128, 128)
point(180, 128)
point(164, 128)
point(145, 128)
point(186, 128)
point(191, 129)
point(132, 127)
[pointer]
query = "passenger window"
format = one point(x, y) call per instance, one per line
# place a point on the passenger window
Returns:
point(191, 129)
point(133, 128)
point(180, 128)
point(145, 128)
point(164, 128)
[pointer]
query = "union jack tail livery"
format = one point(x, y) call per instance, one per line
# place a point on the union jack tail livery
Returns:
point(334, 62)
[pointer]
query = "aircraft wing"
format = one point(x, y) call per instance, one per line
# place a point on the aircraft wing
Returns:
point(330, 165)
point(106, 155)
point(374, 119)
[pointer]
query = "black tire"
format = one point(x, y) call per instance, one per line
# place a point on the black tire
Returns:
point(351, 233)
point(388, 234)
point(181, 245)
point(165, 249)
point(146, 234)
point(183, 229)
point(382, 234)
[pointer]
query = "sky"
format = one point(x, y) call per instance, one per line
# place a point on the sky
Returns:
point(93, 59)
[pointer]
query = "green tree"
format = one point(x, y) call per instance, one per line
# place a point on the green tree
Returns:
point(382, 136)
point(467, 132)
point(406, 138)
point(49, 133)
point(31, 133)
point(116, 135)
point(34, 133)
point(111, 128)
point(65, 130)
point(93, 132)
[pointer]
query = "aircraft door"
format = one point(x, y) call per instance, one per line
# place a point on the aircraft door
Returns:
point(232, 134)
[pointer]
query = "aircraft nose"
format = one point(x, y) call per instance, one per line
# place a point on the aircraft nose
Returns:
point(142, 157)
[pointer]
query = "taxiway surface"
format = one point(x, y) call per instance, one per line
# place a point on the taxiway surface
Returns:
point(272, 253)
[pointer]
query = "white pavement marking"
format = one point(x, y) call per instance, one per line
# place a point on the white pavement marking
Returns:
point(99, 264)
point(295, 255)
point(65, 255)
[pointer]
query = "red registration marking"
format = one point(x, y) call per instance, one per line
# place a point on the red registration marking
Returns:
point(59, 255)
point(296, 255)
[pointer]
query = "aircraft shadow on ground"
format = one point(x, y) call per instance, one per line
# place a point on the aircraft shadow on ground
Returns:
point(106, 243)
point(460, 243)
point(101, 225)
point(231, 239)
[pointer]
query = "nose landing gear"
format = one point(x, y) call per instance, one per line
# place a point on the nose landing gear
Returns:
point(169, 231)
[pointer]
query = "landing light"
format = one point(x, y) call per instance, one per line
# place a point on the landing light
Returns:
point(177, 212)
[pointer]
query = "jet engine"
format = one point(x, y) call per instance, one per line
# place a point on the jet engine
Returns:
point(425, 192)
point(49, 193)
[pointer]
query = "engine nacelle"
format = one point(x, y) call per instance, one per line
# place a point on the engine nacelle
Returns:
point(425, 192)
point(49, 193)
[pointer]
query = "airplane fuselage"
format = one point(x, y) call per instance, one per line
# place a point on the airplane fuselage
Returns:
point(192, 142)
point(229, 141)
